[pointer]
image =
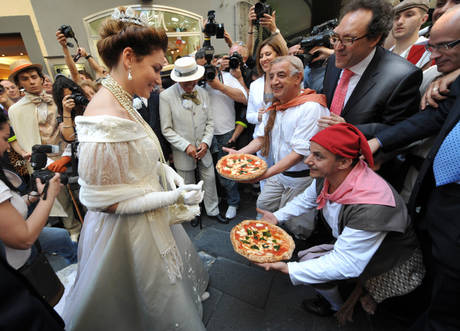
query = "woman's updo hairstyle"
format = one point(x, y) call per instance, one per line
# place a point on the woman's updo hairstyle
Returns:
point(117, 35)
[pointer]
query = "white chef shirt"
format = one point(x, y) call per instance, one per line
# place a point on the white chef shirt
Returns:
point(352, 251)
point(292, 131)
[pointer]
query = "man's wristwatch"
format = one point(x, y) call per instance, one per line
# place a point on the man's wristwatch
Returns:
point(276, 32)
point(88, 56)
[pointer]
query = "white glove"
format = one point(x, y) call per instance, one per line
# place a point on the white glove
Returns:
point(314, 252)
point(193, 197)
point(154, 200)
point(173, 179)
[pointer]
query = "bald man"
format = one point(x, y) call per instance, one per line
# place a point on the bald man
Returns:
point(434, 203)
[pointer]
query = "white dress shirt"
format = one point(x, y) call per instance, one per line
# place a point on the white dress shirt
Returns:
point(292, 131)
point(358, 70)
point(223, 107)
point(352, 251)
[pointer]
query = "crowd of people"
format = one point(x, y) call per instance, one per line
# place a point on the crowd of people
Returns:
point(360, 142)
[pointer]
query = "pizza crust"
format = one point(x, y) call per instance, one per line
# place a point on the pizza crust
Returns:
point(242, 177)
point(287, 242)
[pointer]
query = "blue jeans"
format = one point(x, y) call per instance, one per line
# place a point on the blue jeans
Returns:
point(230, 186)
point(57, 240)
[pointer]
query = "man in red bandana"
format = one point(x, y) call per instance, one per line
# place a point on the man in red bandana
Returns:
point(366, 217)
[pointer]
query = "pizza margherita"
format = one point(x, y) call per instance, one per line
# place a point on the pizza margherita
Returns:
point(241, 167)
point(261, 242)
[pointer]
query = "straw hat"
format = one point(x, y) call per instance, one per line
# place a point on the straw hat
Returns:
point(186, 70)
point(21, 65)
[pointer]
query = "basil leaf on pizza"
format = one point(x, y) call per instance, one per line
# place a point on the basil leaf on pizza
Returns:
point(261, 242)
point(241, 167)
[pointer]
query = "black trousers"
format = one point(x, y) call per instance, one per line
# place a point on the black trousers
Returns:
point(442, 223)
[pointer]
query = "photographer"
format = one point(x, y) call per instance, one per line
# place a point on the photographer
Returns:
point(71, 101)
point(265, 20)
point(224, 90)
point(76, 75)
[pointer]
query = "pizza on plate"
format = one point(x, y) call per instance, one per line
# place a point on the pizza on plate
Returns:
point(241, 167)
point(261, 242)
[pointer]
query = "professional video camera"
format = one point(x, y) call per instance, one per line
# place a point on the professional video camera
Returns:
point(67, 31)
point(319, 36)
point(38, 162)
point(260, 9)
point(212, 28)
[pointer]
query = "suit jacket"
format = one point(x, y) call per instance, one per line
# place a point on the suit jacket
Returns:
point(182, 127)
point(387, 93)
point(424, 124)
point(151, 114)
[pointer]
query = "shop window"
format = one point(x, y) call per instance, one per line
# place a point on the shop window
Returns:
point(182, 27)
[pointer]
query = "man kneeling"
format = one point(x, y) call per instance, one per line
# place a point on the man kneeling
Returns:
point(373, 242)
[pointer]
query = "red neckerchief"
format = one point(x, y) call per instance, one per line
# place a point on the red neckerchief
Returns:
point(304, 96)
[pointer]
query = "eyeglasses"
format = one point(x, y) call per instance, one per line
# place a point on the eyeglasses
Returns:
point(345, 41)
point(442, 46)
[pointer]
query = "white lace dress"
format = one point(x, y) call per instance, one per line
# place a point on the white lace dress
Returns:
point(122, 281)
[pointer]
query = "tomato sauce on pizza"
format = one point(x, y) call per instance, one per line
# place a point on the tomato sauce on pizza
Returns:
point(262, 242)
point(241, 166)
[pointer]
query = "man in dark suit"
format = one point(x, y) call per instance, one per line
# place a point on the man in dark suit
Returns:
point(365, 84)
point(151, 114)
point(435, 200)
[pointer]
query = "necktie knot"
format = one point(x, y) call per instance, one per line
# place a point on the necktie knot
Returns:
point(193, 96)
point(340, 93)
point(347, 74)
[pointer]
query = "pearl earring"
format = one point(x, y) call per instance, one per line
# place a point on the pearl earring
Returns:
point(130, 76)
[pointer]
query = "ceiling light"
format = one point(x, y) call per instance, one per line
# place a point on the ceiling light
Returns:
point(174, 19)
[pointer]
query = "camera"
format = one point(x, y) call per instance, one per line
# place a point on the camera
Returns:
point(209, 70)
point(38, 163)
point(67, 31)
point(319, 36)
point(212, 28)
point(260, 9)
point(235, 60)
point(79, 98)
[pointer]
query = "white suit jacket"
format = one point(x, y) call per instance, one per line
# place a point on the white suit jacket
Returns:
point(182, 126)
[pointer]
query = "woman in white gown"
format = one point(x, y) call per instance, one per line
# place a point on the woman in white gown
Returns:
point(137, 269)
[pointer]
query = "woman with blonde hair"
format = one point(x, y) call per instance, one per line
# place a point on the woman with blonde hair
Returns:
point(138, 270)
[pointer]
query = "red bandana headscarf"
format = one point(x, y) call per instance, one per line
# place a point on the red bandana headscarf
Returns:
point(362, 185)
